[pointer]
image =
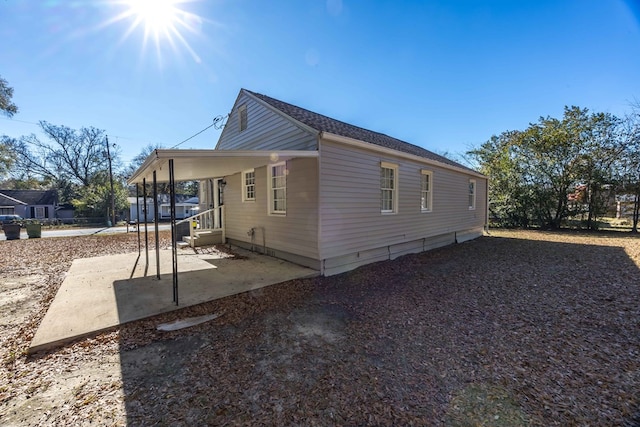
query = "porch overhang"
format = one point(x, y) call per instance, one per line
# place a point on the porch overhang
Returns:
point(193, 165)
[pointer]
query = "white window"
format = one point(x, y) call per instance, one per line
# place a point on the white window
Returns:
point(388, 187)
point(472, 194)
point(249, 186)
point(39, 212)
point(278, 189)
point(426, 190)
point(242, 117)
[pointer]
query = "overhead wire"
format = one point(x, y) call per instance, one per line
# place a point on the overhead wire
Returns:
point(218, 122)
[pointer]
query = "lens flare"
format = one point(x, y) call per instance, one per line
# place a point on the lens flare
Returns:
point(163, 21)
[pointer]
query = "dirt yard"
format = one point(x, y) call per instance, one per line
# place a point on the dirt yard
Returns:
point(517, 328)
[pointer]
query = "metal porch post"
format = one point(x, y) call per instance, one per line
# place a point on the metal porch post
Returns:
point(156, 218)
point(138, 216)
point(146, 231)
point(174, 250)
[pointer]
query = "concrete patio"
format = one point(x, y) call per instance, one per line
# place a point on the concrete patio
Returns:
point(102, 292)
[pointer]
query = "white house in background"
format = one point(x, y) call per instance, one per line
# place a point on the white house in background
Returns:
point(186, 207)
point(323, 193)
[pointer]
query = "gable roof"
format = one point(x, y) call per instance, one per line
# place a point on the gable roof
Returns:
point(6, 200)
point(323, 123)
point(30, 197)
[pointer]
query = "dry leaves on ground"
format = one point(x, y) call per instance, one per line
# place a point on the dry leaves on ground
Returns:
point(520, 328)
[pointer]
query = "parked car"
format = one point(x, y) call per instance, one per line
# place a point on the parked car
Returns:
point(9, 219)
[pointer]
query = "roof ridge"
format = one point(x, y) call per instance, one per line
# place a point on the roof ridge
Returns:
point(323, 123)
point(261, 95)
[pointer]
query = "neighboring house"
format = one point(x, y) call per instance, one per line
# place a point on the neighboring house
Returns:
point(186, 206)
point(65, 213)
point(36, 204)
point(323, 193)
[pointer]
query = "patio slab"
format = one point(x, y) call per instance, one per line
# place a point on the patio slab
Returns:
point(102, 292)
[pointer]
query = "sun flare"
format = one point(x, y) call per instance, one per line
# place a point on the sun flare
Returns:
point(156, 15)
point(163, 21)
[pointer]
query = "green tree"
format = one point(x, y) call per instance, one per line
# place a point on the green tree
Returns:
point(602, 149)
point(628, 171)
point(7, 157)
point(534, 173)
point(509, 197)
point(94, 200)
point(6, 93)
point(549, 151)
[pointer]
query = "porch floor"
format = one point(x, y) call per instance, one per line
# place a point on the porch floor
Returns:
point(102, 292)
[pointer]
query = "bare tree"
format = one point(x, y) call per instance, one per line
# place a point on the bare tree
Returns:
point(69, 155)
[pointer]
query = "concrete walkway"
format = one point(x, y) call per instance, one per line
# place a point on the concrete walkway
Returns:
point(102, 292)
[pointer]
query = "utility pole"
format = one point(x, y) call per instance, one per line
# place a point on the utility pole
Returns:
point(113, 199)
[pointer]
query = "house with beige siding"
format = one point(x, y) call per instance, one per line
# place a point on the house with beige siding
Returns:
point(323, 193)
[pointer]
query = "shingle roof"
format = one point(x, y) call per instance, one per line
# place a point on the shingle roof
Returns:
point(6, 200)
point(32, 197)
point(323, 123)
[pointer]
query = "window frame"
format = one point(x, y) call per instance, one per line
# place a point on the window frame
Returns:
point(394, 188)
point(245, 186)
point(272, 200)
point(429, 192)
point(473, 190)
point(243, 119)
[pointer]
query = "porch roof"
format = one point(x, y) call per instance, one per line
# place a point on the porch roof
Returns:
point(193, 165)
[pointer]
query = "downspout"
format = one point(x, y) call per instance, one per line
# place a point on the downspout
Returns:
point(252, 233)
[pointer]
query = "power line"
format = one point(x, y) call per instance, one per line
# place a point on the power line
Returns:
point(19, 121)
point(193, 136)
point(218, 122)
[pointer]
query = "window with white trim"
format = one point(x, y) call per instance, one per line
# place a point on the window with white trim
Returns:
point(388, 187)
point(242, 117)
point(249, 186)
point(278, 189)
point(426, 190)
point(472, 194)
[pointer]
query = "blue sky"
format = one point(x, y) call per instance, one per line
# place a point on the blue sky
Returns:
point(445, 75)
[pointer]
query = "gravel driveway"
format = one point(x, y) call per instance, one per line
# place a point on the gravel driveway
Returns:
point(517, 328)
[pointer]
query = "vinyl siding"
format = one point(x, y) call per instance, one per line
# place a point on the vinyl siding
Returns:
point(297, 231)
point(266, 130)
point(351, 221)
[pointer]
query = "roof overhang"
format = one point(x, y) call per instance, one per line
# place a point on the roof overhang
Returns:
point(194, 165)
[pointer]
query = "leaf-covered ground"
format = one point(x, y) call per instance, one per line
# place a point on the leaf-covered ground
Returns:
point(516, 328)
